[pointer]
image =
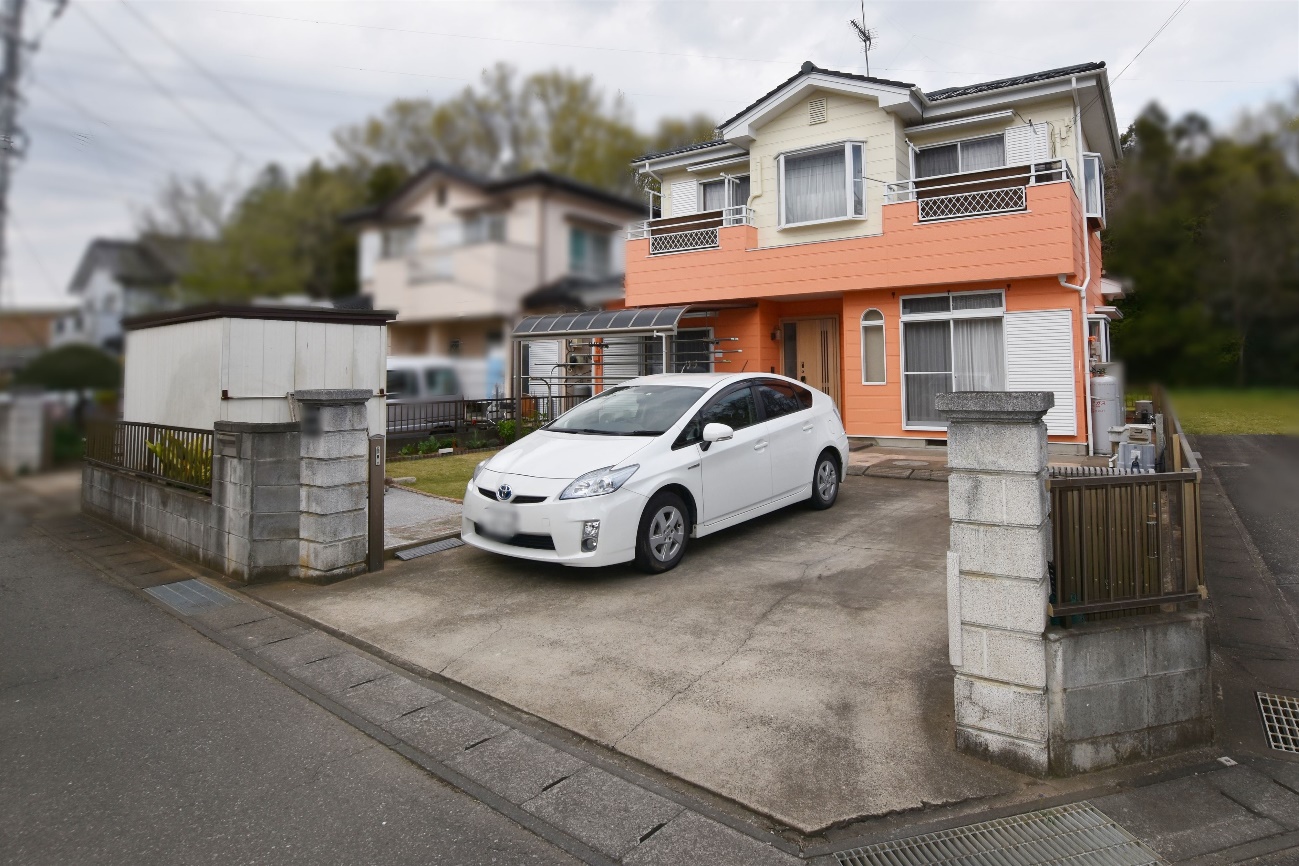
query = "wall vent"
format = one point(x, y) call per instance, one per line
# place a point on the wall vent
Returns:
point(816, 111)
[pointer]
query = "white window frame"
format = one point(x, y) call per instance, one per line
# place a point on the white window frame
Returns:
point(729, 183)
point(882, 325)
point(948, 316)
point(847, 147)
point(1099, 212)
point(960, 161)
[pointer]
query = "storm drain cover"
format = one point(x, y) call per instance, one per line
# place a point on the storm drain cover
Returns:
point(1077, 834)
point(1280, 720)
point(190, 596)
point(426, 549)
point(909, 463)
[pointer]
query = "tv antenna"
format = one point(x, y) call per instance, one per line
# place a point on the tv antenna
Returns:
point(866, 35)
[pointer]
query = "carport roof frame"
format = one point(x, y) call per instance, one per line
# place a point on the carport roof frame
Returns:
point(633, 320)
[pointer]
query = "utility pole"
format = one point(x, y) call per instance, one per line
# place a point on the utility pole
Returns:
point(13, 141)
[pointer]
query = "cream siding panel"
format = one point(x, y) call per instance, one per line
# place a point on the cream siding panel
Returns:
point(1040, 357)
point(685, 197)
point(851, 118)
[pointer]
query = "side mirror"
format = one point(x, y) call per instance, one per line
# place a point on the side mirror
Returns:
point(717, 433)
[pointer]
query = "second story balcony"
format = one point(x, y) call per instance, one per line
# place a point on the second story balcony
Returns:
point(979, 193)
point(684, 234)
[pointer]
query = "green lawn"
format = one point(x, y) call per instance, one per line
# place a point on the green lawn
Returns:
point(1230, 411)
point(445, 476)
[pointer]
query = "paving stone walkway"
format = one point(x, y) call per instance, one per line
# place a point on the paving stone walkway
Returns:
point(410, 517)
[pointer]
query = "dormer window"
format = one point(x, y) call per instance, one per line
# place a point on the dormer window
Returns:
point(823, 184)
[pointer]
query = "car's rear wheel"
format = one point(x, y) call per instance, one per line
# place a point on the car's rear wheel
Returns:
point(825, 482)
point(664, 530)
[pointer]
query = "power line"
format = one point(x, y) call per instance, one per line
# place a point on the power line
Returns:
point(217, 82)
point(159, 86)
point(1167, 21)
point(503, 39)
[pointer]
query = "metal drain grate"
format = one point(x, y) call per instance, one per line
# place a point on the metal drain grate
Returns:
point(426, 549)
point(1077, 834)
point(1280, 720)
point(190, 596)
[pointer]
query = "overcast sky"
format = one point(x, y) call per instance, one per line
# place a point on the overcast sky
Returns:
point(103, 135)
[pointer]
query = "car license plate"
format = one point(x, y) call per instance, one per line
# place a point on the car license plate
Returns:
point(499, 523)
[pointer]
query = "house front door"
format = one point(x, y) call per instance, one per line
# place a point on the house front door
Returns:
point(811, 354)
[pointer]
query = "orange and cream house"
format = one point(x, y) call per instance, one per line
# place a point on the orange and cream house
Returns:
point(885, 244)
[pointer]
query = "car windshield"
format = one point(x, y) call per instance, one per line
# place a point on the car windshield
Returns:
point(631, 410)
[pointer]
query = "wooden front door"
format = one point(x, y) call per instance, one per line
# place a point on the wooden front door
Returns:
point(811, 354)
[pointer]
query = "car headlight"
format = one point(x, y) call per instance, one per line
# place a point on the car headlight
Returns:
point(482, 464)
point(599, 482)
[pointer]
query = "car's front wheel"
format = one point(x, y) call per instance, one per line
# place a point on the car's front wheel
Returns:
point(825, 482)
point(664, 529)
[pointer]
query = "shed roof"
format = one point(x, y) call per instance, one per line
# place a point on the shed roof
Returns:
point(203, 312)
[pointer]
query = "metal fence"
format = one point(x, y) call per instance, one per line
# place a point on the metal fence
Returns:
point(1129, 541)
point(177, 455)
point(418, 420)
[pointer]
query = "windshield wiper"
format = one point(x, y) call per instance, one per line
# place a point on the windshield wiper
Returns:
point(587, 430)
point(644, 433)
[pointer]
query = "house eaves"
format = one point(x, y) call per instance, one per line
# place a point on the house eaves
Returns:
point(897, 97)
point(389, 209)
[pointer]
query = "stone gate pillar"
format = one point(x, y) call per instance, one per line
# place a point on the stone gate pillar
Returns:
point(334, 477)
point(997, 583)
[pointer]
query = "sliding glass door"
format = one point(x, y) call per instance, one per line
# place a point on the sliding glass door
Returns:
point(949, 343)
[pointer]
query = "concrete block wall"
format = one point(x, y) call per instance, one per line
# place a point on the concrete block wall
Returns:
point(22, 432)
point(176, 520)
point(255, 472)
point(1037, 699)
point(997, 574)
point(285, 502)
point(334, 483)
point(1127, 689)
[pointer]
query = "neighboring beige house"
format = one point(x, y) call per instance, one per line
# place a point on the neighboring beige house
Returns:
point(459, 257)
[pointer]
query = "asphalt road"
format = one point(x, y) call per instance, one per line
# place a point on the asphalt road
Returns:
point(130, 738)
point(1260, 475)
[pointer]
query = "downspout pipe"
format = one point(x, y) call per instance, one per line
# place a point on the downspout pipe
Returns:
point(1087, 278)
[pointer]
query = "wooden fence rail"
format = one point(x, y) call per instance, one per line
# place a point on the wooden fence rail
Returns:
point(1127, 541)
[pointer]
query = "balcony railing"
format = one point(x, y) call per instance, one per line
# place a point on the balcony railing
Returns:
point(685, 234)
point(980, 193)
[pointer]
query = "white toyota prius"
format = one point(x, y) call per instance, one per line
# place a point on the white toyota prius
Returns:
point(638, 470)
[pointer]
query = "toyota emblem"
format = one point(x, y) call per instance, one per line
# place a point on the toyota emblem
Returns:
point(504, 493)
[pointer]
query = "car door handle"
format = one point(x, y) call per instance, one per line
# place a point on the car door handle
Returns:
point(760, 444)
point(807, 428)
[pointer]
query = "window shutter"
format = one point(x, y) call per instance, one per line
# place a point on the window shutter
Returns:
point(816, 111)
point(685, 197)
point(1028, 144)
point(1040, 357)
point(622, 360)
point(543, 355)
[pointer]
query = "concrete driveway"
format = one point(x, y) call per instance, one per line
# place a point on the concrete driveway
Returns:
point(796, 664)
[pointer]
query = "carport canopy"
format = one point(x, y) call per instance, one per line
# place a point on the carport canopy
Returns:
point(601, 323)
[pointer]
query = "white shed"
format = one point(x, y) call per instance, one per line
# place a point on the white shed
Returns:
point(196, 366)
